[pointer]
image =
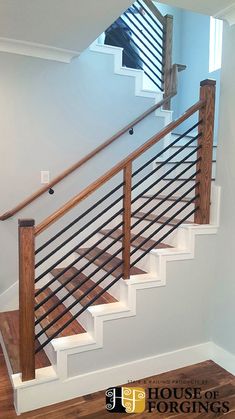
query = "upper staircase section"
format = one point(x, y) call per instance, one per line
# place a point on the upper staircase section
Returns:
point(55, 30)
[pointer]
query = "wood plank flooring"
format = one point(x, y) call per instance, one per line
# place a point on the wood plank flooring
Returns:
point(106, 298)
point(206, 375)
point(110, 262)
point(137, 241)
point(74, 328)
point(162, 220)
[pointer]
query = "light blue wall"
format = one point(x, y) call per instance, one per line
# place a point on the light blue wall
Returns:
point(195, 38)
point(177, 13)
point(191, 47)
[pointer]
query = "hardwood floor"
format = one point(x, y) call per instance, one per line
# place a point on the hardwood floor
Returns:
point(207, 376)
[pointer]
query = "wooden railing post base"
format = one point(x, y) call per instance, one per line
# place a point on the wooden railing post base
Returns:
point(127, 220)
point(26, 298)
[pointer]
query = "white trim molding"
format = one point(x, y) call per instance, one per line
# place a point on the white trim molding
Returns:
point(53, 390)
point(31, 49)
point(228, 14)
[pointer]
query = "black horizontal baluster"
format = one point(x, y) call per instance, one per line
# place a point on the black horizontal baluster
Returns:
point(118, 213)
point(100, 267)
point(167, 148)
point(102, 239)
point(144, 53)
point(147, 30)
point(75, 235)
point(158, 217)
point(162, 164)
point(83, 241)
point(162, 178)
point(151, 17)
point(79, 271)
point(78, 219)
point(98, 295)
point(150, 199)
point(165, 235)
point(168, 160)
point(95, 285)
point(79, 313)
point(114, 38)
point(80, 298)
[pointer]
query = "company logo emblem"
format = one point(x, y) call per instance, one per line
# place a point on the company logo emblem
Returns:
point(125, 400)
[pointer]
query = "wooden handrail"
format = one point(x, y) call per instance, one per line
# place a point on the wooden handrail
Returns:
point(155, 12)
point(85, 159)
point(116, 169)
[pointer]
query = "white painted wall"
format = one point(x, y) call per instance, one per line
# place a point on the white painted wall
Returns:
point(52, 114)
point(224, 287)
point(195, 37)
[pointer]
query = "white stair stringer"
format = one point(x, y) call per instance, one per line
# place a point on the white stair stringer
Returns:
point(157, 96)
point(55, 384)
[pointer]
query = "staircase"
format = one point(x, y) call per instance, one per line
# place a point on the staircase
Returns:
point(83, 269)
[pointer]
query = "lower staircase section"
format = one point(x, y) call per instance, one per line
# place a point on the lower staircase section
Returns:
point(99, 276)
point(85, 361)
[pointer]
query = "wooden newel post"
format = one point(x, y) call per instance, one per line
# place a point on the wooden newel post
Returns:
point(127, 221)
point(168, 39)
point(207, 115)
point(26, 298)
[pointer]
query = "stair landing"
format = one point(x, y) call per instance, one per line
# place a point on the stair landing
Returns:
point(9, 328)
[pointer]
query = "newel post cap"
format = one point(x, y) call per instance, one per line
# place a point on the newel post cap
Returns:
point(26, 223)
point(208, 82)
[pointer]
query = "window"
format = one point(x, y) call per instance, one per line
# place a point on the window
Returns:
point(216, 38)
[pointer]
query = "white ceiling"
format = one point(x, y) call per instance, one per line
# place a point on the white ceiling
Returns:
point(210, 7)
point(67, 24)
point(61, 29)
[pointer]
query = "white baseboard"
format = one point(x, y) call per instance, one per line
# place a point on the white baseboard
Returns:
point(55, 390)
point(9, 299)
point(223, 358)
